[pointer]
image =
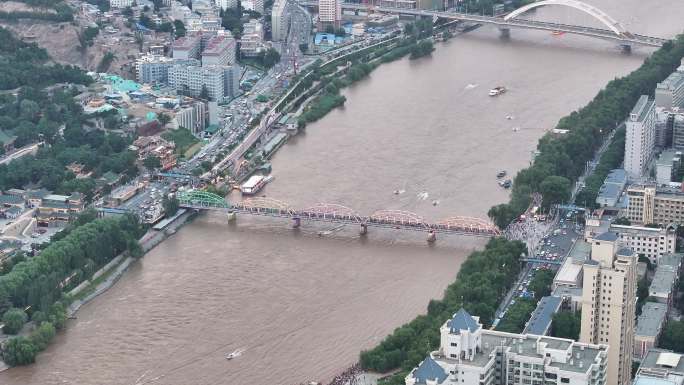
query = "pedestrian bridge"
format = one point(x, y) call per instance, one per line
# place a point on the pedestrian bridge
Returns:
point(612, 29)
point(335, 213)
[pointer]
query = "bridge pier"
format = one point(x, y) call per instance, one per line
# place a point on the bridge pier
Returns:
point(232, 216)
point(505, 33)
point(296, 222)
point(364, 229)
point(432, 236)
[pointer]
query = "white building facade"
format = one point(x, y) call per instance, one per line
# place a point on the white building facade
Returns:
point(329, 13)
point(469, 354)
point(280, 20)
point(653, 243)
point(640, 138)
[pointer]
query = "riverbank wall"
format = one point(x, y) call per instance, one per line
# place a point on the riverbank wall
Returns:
point(115, 269)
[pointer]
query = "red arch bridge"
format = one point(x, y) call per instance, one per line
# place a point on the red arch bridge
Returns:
point(334, 213)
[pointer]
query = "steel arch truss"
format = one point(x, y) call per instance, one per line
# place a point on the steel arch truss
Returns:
point(468, 225)
point(397, 218)
point(590, 10)
point(265, 205)
point(201, 198)
point(330, 211)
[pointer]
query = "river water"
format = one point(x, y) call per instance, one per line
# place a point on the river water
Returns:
point(303, 306)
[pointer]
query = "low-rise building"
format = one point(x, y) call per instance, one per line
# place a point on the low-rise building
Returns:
point(648, 205)
point(7, 200)
point(665, 278)
point(660, 367)
point(647, 241)
point(612, 188)
point(120, 3)
point(649, 326)
point(540, 321)
point(153, 69)
point(122, 194)
point(469, 354)
point(58, 210)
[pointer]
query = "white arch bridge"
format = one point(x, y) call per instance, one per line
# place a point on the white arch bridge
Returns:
point(335, 213)
point(613, 29)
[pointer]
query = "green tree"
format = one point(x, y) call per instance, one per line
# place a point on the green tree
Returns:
point(269, 58)
point(673, 336)
point(204, 93)
point(42, 336)
point(14, 319)
point(179, 28)
point(165, 119)
point(622, 221)
point(19, 351)
point(171, 205)
point(152, 162)
point(566, 324)
point(541, 283)
point(555, 189)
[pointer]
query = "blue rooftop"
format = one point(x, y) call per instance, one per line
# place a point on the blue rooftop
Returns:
point(463, 321)
point(429, 370)
point(541, 318)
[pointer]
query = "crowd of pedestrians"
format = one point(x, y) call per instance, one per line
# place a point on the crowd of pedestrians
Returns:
point(528, 228)
point(348, 377)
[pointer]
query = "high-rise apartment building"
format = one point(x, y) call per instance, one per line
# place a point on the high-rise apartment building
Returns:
point(608, 304)
point(187, 47)
point(253, 5)
point(226, 4)
point(280, 20)
point(669, 93)
point(640, 138)
point(219, 50)
point(471, 355)
point(676, 121)
point(329, 13)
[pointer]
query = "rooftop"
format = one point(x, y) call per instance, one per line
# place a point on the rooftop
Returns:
point(660, 367)
point(583, 355)
point(581, 251)
point(673, 82)
point(641, 109)
point(663, 281)
point(569, 271)
point(541, 318)
point(607, 236)
point(429, 370)
point(673, 260)
point(651, 319)
point(462, 321)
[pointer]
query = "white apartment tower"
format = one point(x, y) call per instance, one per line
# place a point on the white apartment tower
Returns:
point(669, 94)
point(471, 355)
point(279, 20)
point(608, 301)
point(640, 138)
point(226, 4)
point(329, 13)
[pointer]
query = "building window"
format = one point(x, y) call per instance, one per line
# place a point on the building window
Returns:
point(565, 380)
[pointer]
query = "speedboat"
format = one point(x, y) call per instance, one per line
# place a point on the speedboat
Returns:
point(234, 354)
point(496, 91)
point(501, 174)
